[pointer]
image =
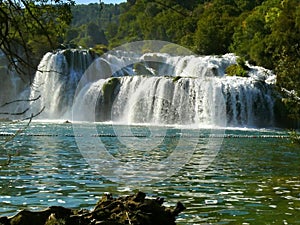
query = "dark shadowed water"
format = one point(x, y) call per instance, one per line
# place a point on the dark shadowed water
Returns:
point(254, 179)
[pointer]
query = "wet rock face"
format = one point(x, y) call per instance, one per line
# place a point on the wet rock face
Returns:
point(134, 209)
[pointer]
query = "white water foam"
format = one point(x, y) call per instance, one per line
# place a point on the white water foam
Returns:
point(177, 90)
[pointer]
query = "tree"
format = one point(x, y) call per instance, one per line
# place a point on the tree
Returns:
point(216, 27)
point(286, 37)
point(269, 36)
point(29, 28)
point(97, 35)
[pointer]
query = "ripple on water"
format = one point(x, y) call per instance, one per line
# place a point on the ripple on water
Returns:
point(250, 181)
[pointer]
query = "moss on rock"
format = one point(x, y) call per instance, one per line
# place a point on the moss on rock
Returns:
point(177, 78)
point(108, 89)
point(236, 70)
point(240, 69)
point(140, 69)
point(134, 209)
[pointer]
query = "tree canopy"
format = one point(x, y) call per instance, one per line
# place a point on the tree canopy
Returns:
point(30, 28)
point(264, 32)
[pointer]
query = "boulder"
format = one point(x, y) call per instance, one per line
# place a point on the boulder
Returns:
point(133, 209)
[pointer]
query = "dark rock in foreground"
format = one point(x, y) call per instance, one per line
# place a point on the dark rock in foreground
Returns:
point(134, 209)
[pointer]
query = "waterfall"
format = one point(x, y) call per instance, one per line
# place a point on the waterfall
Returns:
point(12, 88)
point(56, 80)
point(152, 88)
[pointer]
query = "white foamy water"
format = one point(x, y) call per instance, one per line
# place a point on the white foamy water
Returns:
point(152, 88)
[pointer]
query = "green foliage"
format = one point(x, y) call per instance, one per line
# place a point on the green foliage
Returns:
point(287, 109)
point(99, 49)
point(264, 32)
point(174, 49)
point(215, 28)
point(177, 78)
point(269, 35)
point(93, 24)
point(240, 69)
point(31, 28)
point(109, 91)
point(236, 70)
point(293, 108)
point(102, 15)
point(279, 111)
point(141, 69)
point(97, 35)
point(294, 137)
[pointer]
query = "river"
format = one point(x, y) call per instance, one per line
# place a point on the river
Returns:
point(253, 178)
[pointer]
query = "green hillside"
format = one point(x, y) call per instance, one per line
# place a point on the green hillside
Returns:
point(264, 32)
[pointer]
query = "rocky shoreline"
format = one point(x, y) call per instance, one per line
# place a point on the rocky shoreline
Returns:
point(133, 209)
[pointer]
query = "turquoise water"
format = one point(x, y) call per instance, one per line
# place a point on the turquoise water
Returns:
point(254, 178)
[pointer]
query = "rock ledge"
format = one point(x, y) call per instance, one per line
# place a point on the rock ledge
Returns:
point(134, 209)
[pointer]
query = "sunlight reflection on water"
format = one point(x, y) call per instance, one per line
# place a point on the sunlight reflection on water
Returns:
point(252, 180)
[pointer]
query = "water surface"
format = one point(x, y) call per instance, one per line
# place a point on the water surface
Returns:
point(254, 179)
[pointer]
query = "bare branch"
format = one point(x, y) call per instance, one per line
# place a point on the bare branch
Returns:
point(15, 114)
point(34, 115)
point(22, 21)
point(172, 8)
point(10, 138)
point(38, 21)
point(21, 100)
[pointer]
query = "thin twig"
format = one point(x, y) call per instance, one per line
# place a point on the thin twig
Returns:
point(15, 114)
point(10, 138)
point(21, 100)
point(172, 8)
point(35, 115)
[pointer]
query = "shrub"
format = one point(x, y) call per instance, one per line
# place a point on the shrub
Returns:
point(240, 69)
point(236, 70)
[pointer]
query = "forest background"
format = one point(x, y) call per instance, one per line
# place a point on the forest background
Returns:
point(264, 32)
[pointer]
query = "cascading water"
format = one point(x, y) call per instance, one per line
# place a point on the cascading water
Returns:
point(56, 80)
point(152, 88)
point(12, 88)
